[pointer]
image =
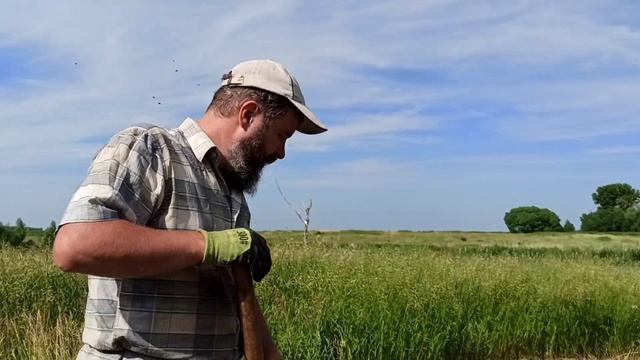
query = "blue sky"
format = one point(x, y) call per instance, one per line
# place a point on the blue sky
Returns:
point(443, 115)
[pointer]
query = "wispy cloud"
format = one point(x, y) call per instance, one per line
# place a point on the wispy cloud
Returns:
point(361, 130)
point(366, 173)
point(616, 150)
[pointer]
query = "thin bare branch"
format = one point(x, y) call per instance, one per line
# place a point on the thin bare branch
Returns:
point(282, 194)
point(289, 203)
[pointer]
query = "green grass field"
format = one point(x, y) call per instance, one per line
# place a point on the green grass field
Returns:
point(401, 295)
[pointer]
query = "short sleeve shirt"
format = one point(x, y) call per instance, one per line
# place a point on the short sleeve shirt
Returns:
point(165, 179)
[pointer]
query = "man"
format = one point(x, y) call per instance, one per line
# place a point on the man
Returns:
point(162, 215)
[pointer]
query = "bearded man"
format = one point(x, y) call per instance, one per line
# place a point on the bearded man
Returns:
point(162, 215)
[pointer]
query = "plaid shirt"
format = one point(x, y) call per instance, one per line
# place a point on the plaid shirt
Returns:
point(164, 179)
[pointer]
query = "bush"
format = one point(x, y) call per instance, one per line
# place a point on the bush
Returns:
point(528, 219)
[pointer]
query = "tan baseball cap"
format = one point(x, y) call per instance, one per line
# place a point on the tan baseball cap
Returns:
point(271, 76)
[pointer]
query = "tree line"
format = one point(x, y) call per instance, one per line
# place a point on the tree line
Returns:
point(618, 210)
point(21, 235)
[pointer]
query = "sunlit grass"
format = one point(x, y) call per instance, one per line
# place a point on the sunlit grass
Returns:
point(374, 295)
point(41, 308)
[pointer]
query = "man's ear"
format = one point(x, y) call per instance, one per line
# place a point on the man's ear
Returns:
point(247, 112)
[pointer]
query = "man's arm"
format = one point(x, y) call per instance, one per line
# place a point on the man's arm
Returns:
point(119, 248)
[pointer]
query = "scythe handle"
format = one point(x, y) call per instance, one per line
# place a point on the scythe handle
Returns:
point(253, 347)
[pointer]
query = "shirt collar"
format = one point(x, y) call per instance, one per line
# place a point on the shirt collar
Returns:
point(198, 140)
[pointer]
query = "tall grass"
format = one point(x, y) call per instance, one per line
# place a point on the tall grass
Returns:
point(416, 303)
point(373, 295)
point(41, 308)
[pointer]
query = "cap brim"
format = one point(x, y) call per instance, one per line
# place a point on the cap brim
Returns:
point(310, 125)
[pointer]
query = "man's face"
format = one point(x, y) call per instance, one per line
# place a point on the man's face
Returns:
point(262, 145)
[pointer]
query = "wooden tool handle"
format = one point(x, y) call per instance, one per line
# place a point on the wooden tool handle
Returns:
point(253, 347)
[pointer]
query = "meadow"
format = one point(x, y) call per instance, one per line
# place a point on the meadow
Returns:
point(391, 295)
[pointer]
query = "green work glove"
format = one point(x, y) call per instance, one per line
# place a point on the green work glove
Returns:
point(243, 245)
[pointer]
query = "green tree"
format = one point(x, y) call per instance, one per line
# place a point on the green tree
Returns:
point(611, 219)
point(632, 220)
point(3, 233)
point(528, 219)
point(20, 230)
point(568, 226)
point(618, 195)
point(617, 209)
point(49, 234)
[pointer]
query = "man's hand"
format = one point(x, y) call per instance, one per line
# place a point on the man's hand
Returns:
point(244, 245)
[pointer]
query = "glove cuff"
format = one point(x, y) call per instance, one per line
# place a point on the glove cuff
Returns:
point(205, 236)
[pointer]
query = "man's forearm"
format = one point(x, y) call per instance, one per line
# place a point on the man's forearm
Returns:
point(122, 249)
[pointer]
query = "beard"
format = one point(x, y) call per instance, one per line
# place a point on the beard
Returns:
point(245, 163)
